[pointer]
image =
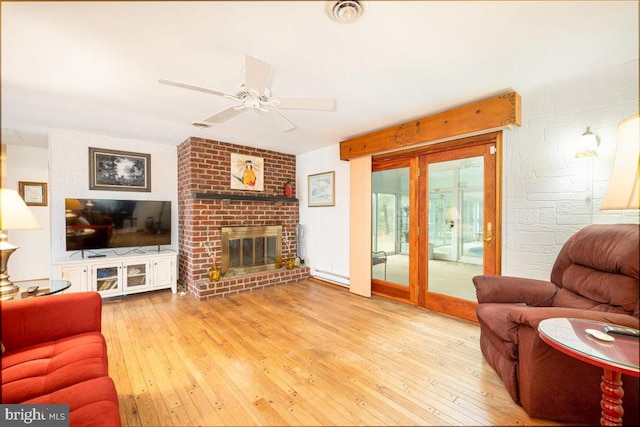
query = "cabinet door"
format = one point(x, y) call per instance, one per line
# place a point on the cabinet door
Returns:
point(136, 276)
point(77, 275)
point(163, 272)
point(107, 278)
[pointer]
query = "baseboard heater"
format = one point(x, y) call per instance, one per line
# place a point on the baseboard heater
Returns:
point(331, 277)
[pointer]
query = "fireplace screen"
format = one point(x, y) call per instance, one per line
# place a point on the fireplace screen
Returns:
point(250, 249)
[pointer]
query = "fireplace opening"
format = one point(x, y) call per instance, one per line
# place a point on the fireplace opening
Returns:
point(251, 249)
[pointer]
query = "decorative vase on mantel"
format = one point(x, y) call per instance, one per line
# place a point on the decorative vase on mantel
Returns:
point(278, 261)
point(214, 273)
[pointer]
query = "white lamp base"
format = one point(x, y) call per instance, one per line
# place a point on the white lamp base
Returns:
point(6, 249)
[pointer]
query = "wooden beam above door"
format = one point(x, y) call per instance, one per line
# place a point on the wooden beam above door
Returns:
point(492, 113)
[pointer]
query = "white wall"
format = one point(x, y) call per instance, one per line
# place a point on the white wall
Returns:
point(327, 242)
point(548, 194)
point(69, 178)
point(31, 260)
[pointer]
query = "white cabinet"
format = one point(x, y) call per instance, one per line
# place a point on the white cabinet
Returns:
point(164, 272)
point(78, 275)
point(120, 275)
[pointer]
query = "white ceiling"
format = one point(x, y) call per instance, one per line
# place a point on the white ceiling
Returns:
point(94, 66)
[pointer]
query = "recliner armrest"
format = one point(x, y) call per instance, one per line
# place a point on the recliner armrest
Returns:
point(533, 316)
point(508, 289)
point(42, 319)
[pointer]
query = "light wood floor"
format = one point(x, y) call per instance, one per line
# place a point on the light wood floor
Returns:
point(298, 354)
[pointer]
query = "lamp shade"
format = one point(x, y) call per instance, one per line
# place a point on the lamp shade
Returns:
point(14, 213)
point(623, 191)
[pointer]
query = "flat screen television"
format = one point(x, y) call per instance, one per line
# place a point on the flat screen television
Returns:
point(108, 223)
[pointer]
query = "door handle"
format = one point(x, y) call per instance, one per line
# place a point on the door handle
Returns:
point(489, 235)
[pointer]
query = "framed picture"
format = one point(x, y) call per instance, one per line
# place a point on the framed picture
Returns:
point(33, 193)
point(322, 189)
point(119, 170)
point(247, 172)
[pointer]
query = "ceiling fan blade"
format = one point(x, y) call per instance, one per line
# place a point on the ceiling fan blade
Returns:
point(256, 74)
point(294, 103)
point(190, 87)
point(281, 121)
point(224, 115)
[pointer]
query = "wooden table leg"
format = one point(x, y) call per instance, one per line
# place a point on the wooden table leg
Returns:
point(611, 402)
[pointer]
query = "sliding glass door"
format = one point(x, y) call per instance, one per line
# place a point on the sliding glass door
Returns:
point(391, 208)
point(434, 223)
point(455, 225)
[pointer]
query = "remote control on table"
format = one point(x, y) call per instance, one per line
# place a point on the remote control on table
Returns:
point(621, 330)
point(32, 289)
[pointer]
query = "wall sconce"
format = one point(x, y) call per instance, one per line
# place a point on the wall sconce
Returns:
point(589, 144)
point(623, 191)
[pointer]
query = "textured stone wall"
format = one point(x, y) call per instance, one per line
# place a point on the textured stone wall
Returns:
point(549, 194)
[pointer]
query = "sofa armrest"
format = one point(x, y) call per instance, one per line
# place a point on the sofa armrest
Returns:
point(507, 289)
point(41, 319)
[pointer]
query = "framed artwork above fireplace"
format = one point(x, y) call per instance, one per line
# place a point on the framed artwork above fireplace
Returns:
point(247, 172)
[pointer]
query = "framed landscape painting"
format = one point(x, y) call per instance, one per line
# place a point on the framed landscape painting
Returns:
point(322, 189)
point(119, 170)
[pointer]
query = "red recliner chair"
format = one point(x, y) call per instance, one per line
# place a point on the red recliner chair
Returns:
point(595, 276)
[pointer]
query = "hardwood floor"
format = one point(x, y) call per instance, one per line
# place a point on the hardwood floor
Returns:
point(298, 354)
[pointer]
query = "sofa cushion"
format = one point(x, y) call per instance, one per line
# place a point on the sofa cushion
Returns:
point(47, 367)
point(91, 403)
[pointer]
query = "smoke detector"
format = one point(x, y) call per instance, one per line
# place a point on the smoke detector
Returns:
point(345, 11)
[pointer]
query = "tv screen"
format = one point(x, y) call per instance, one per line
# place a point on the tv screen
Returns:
point(102, 223)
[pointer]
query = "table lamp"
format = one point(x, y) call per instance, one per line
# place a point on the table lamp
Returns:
point(623, 191)
point(14, 215)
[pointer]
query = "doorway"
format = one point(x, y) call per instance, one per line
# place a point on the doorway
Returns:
point(435, 214)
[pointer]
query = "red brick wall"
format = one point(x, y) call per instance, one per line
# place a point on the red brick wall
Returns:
point(204, 166)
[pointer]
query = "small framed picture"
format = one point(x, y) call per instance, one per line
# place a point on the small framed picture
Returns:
point(322, 189)
point(119, 170)
point(33, 193)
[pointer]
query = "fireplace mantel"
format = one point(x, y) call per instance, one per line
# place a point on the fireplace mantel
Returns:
point(226, 196)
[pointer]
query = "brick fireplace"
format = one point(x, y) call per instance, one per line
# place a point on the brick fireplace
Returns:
point(206, 205)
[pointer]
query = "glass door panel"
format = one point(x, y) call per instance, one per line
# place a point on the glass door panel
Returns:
point(137, 276)
point(390, 226)
point(455, 226)
point(107, 278)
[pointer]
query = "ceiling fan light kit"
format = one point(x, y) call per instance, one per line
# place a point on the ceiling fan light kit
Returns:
point(254, 95)
point(345, 11)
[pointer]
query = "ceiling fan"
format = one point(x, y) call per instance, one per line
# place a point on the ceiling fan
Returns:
point(254, 95)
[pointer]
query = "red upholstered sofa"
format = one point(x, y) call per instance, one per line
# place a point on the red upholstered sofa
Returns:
point(55, 353)
point(596, 277)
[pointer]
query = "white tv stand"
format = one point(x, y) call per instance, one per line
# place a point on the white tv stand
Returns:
point(120, 275)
